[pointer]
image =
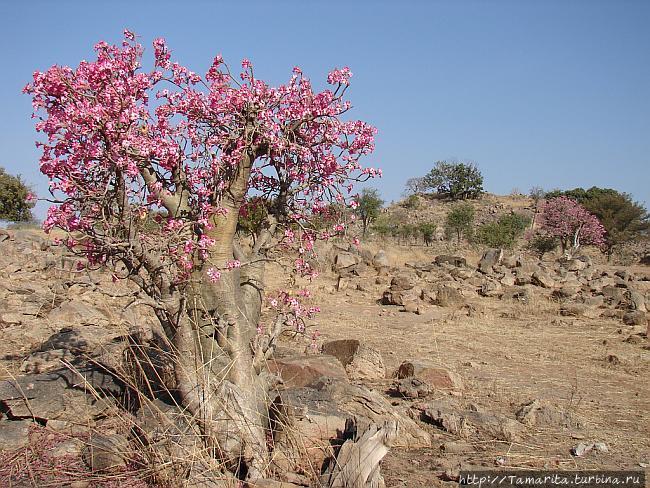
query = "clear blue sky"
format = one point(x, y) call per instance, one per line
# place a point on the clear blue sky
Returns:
point(539, 93)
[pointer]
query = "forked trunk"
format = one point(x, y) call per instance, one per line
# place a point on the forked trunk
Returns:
point(216, 376)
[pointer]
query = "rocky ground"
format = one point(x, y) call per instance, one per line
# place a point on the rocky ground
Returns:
point(499, 362)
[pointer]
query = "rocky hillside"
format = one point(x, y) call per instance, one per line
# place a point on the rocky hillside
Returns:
point(447, 362)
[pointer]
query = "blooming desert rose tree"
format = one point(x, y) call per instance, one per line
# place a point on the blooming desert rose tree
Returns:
point(150, 171)
point(568, 221)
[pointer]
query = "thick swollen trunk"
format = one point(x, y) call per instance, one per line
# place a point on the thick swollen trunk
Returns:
point(220, 389)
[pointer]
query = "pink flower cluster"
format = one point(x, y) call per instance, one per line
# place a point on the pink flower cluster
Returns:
point(120, 142)
point(569, 221)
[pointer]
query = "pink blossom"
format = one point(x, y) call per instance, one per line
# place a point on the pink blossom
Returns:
point(570, 222)
point(213, 275)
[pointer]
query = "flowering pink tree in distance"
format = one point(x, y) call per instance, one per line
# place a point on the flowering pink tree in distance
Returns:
point(571, 223)
point(150, 172)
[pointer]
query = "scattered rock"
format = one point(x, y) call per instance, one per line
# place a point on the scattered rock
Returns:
point(490, 288)
point(451, 260)
point(391, 297)
point(361, 362)
point(14, 434)
point(344, 260)
point(380, 260)
point(543, 279)
point(585, 448)
point(466, 423)
point(635, 317)
point(447, 296)
point(411, 388)
point(637, 300)
point(435, 376)
point(457, 447)
point(542, 414)
point(490, 258)
point(402, 282)
point(361, 402)
point(74, 396)
point(106, 452)
point(575, 264)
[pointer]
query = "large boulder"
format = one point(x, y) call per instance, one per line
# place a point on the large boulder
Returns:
point(490, 258)
point(380, 260)
point(77, 397)
point(299, 371)
point(436, 376)
point(345, 261)
point(361, 362)
point(402, 282)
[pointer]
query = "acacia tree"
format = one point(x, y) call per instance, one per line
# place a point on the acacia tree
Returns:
point(459, 181)
point(123, 144)
point(568, 221)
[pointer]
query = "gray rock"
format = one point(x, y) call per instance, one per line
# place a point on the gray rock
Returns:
point(543, 279)
point(543, 414)
point(451, 260)
point(402, 282)
point(14, 434)
point(380, 260)
point(60, 395)
point(361, 362)
point(105, 453)
point(635, 317)
point(345, 260)
point(490, 258)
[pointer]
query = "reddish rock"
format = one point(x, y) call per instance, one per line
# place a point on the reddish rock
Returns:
point(435, 376)
point(299, 371)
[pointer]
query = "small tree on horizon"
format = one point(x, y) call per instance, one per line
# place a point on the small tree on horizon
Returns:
point(459, 181)
point(16, 198)
point(415, 186)
point(369, 207)
point(459, 221)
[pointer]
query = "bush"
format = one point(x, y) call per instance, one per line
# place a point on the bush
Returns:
point(428, 232)
point(16, 200)
point(541, 244)
point(504, 232)
point(459, 181)
point(412, 202)
point(406, 232)
point(384, 226)
point(459, 221)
